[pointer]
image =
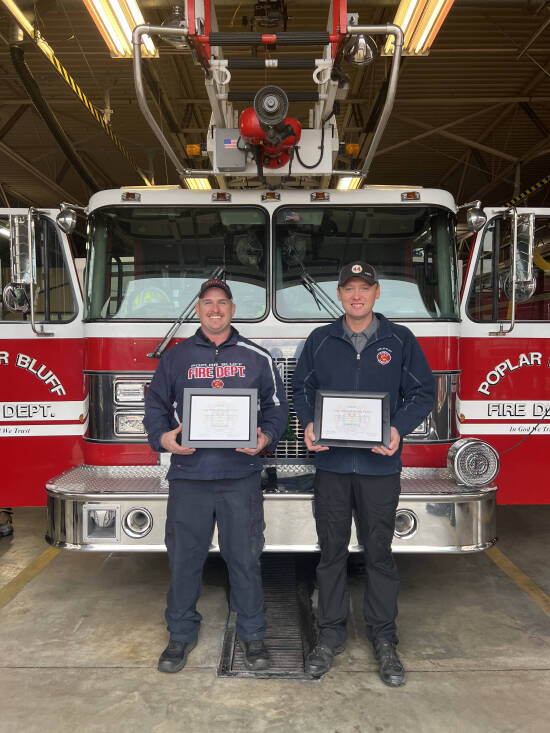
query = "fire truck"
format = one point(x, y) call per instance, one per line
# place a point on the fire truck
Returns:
point(82, 331)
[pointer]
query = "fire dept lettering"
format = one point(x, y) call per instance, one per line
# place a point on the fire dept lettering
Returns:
point(42, 372)
point(215, 371)
point(533, 358)
point(26, 410)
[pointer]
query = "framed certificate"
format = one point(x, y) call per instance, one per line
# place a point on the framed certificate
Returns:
point(220, 418)
point(352, 419)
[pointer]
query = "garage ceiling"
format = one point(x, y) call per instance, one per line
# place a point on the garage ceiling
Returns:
point(472, 117)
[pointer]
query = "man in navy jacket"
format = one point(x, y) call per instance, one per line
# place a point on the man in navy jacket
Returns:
point(214, 484)
point(362, 351)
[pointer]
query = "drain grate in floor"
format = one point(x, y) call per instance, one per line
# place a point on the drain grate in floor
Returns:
point(289, 632)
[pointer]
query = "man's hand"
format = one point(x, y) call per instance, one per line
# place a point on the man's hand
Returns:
point(170, 444)
point(309, 437)
point(263, 440)
point(394, 444)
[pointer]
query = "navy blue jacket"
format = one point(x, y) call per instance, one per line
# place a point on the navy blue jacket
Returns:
point(392, 361)
point(198, 362)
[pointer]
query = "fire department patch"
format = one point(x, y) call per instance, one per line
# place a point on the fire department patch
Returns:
point(357, 268)
point(217, 383)
point(383, 357)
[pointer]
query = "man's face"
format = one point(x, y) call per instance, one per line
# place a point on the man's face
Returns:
point(357, 298)
point(215, 311)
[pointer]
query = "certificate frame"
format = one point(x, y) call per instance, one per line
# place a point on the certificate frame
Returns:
point(196, 400)
point(380, 402)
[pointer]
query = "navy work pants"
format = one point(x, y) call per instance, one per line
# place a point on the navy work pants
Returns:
point(237, 507)
point(374, 500)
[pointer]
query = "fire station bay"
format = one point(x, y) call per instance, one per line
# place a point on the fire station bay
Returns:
point(275, 366)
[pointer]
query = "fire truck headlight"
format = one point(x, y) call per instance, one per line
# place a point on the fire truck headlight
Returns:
point(473, 462)
point(129, 423)
point(130, 391)
point(137, 522)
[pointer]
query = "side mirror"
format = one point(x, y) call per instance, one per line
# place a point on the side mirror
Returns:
point(17, 297)
point(66, 219)
point(476, 218)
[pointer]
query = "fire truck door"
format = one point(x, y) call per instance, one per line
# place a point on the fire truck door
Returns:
point(42, 401)
point(505, 352)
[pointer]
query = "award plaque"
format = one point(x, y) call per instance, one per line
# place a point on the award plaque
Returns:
point(220, 418)
point(352, 419)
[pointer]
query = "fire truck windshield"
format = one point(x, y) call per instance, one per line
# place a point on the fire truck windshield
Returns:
point(147, 263)
point(412, 248)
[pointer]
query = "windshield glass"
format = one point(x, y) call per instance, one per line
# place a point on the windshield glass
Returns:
point(147, 263)
point(412, 248)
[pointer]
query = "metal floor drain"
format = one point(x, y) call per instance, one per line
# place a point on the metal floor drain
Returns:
point(289, 632)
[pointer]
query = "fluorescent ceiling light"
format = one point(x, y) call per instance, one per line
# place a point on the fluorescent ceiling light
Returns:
point(348, 183)
point(420, 21)
point(198, 184)
point(116, 19)
point(4, 232)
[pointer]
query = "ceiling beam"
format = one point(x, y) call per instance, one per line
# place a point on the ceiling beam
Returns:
point(38, 174)
point(459, 138)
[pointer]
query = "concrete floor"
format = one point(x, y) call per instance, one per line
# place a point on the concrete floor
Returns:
point(80, 641)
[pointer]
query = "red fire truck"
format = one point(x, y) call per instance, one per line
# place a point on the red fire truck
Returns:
point(81, 336)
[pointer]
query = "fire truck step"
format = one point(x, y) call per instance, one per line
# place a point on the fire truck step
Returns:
point(289, 634)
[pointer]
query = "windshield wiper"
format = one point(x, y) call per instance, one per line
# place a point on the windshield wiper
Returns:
point(322, 299)
point(186, 312)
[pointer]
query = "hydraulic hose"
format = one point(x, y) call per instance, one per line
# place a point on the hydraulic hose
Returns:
point(47, 114)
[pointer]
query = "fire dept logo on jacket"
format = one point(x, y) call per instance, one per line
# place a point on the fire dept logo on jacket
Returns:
point(383, 357)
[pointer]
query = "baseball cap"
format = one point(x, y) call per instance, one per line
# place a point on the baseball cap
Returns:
point(215, 284)
point(358, 269)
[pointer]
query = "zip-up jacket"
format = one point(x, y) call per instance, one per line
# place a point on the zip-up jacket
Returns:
point(392, 361)
point(198, 362)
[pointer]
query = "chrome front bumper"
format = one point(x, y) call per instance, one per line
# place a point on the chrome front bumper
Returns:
point(94, 508)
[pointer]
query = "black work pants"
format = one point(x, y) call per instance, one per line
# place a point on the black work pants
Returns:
point(374, 500)
point(237, 507)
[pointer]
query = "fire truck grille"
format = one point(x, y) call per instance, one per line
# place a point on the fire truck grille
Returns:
point(291, 447)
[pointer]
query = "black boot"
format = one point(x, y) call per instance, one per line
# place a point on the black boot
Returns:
point(174, 657)
point(319, 660)
point(390, 668)
point(256, 656)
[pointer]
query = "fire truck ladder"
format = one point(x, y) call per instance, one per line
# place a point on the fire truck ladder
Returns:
point(197, 32)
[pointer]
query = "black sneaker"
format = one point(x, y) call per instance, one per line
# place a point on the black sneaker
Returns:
point(256, 656)
point(389, 666)
point(319, 660)
point(174, 657)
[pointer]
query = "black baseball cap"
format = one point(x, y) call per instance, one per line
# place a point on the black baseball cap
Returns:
point(215, 284)
point(358, 269)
